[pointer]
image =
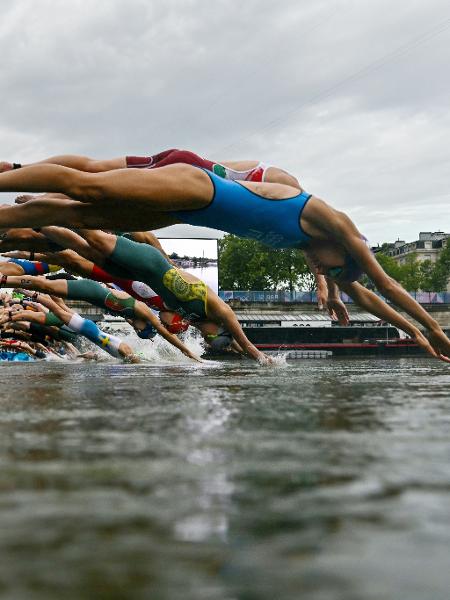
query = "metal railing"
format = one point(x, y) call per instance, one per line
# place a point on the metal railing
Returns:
point(311, 297)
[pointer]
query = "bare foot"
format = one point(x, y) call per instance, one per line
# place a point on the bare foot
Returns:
point(25, 198)
point(5, 166)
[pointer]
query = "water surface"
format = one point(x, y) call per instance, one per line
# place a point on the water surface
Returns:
point(322, 480)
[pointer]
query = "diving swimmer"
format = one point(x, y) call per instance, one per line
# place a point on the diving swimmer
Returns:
point(58, 314)
point(275, 214)
point(123, 259)
point(240, 170)
point(144, 321)
point(177, 291)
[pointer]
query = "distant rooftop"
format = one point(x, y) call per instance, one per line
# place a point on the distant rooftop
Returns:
point(429, 236)
point(424, 236)
point(429, 241)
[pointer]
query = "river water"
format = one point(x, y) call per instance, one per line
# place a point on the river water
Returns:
point(318, 479)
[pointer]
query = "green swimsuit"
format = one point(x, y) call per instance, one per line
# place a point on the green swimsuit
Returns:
point(94, 293)
point(145, 263)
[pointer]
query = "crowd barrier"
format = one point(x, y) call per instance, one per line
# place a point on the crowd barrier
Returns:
point(286, 296)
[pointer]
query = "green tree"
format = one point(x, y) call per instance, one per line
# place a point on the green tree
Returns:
point(408, 274)
point(389, 265)
point(441, 272)
point(240, 265)
point(248, 265)
point(417, 275)
point(284, 268)
point(427, 276)
point(411, 274)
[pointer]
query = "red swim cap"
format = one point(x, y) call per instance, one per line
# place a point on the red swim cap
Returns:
point(177, 324)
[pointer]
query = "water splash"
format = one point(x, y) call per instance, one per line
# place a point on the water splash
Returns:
point(279, 360)
point(158, 350)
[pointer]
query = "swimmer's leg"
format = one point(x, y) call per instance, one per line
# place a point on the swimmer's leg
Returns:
point(171, 188)
point(81, 163)
point(135, 260)
point(22, 239)
point(48, 212)
point(90, 245)
point(119, 256)
point(71, 214)
point(110, 343)
point(84, 163)
point(102, 245)
point(11, 269)
point(30, 197)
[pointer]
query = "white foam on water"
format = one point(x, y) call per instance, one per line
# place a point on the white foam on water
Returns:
point(158, 350)
point(279, 360)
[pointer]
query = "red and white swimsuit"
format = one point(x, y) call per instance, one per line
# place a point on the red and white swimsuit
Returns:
point(173, 156)
point(137, 289)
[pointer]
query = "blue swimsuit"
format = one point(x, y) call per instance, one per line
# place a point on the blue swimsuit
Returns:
point(236, 209)
point(31, 267)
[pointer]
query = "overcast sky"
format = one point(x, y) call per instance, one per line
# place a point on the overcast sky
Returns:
point(352, 96)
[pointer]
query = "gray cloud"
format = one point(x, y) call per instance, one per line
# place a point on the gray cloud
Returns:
point(351, 96)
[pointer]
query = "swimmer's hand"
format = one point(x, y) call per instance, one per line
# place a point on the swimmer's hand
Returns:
point(337, 311)
point(265, 360)
point(440, 344)
point(260, 357)
point(433, 347)
point(132, 358)
point(193, 356)
point(37, 306)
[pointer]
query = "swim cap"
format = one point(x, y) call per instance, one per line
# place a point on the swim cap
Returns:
point(177, 324)
point(351, 271)
point(147, 333)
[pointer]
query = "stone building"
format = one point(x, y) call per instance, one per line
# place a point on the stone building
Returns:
point(427, 247)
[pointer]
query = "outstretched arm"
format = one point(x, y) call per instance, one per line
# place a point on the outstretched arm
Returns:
point(341, 228)
point(29, 315)
point(142, 311)
point(375, 305)
point(336, 308)
point(23, 239)
point(110, 343)
point(321, 283)
point(219, 311)
point(58, 287)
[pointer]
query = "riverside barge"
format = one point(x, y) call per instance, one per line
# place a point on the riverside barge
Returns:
point(297, 333)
